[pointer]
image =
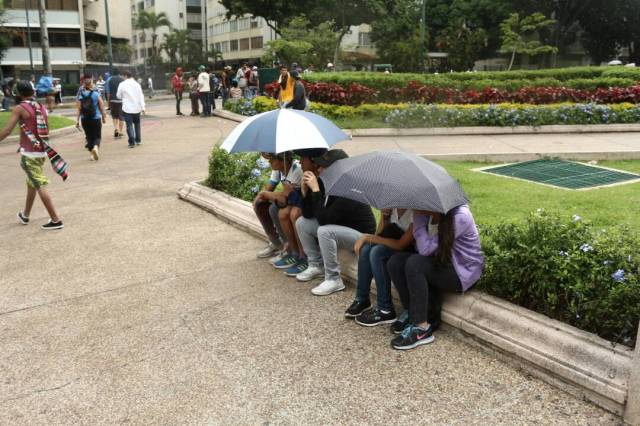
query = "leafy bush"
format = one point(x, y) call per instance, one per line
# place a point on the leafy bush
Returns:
point(567, 270)
point(241, 106)
point(239, 175)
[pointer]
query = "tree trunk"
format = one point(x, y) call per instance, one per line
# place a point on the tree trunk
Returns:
point(336, 53)
point(513, 58)
point(44, 39)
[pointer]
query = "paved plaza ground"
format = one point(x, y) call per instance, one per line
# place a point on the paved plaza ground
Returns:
point(148, 310)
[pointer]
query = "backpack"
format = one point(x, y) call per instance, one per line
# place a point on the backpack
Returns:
point(87, 108)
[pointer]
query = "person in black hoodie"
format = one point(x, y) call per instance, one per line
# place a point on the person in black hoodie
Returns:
point(328, 223)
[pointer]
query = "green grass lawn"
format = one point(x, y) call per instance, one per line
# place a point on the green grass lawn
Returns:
point(55, 122)
point(495, 198)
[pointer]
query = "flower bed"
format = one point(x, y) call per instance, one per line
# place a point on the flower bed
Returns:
point(421, 115)
point(562, 267)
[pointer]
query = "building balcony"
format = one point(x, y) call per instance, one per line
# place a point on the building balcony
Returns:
point(59, 56)
point(55, 18)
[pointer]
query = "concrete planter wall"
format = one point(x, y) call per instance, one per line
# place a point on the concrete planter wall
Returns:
point(579, 362)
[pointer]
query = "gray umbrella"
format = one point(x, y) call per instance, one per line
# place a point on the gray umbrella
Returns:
point(394, 179)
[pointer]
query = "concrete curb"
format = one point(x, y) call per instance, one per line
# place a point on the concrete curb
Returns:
point(53, 134)
point(466, 131)
point(578, 362)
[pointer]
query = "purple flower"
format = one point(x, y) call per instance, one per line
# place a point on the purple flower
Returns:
point(618, 276)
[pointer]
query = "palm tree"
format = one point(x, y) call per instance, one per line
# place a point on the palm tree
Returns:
point(152, 21)
point(170, 45)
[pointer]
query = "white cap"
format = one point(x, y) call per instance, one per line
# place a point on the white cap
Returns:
point(329, 64)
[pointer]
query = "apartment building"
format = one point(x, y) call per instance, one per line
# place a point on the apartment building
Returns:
point(72, 26)
point(183, 14)
point(243, 39)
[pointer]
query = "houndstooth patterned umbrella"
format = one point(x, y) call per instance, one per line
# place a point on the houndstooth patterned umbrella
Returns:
point(394, 179)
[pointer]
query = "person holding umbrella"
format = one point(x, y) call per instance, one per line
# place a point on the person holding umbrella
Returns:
point(449, 259)
point(328, 223)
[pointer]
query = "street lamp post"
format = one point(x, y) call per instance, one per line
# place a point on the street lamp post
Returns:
point(26, 12)
point(423, 32)
point(109, 46)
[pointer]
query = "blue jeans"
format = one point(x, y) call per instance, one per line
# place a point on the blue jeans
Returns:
point(5, 103)
point(133, 127)
point(372, 263)
point(205, 98)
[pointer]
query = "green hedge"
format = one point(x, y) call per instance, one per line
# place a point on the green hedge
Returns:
point(239, 175)
point(568, 270)
point(575, 78)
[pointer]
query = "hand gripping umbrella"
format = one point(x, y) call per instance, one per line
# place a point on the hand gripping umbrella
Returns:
point(394, 180)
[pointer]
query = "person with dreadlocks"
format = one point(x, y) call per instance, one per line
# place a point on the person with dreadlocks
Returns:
point(449, 259)
point(32, 117)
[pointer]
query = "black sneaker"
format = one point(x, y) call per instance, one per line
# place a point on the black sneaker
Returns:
point(116, 134)
point(23, 219)
point(412, 337)
point(375, 317)
point(357, 308)
point(400, 323)
point(52, 225)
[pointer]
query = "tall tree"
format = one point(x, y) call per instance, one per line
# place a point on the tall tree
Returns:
point(152, 21)
point(276, 13)
point(44, 39)
point(397, 35)
point(463, 44)
point(520, 35)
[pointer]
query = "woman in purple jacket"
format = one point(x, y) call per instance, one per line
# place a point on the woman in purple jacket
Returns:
point(449, 259)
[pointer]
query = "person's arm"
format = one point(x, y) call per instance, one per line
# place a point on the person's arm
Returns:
point(101, 108)
point(426, 243)
point(78, 113)
point(397, 245)
point(119, 92)
point(11, 124)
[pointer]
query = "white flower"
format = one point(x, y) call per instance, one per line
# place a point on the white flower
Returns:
point(563, 253)
point(576, 218)
point(586, 248)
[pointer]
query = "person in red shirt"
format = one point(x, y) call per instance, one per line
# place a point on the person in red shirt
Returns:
point(178, 87)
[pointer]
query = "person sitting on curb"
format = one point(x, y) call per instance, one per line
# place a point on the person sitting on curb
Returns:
point(328, 223)
point(395, 234)
point(449, 259)
point(266, 204)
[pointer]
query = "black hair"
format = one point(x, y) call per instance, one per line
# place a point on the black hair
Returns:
point(446, 239)
point(234, 83)
point(115, 71)
point(126, 73)
point(24, 89)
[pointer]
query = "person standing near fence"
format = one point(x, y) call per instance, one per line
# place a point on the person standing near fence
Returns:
point(90, 111)
point(133, 105)
point(178, 88)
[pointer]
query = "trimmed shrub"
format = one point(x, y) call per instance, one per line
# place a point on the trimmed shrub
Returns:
point(239, 175)
point(567, 270)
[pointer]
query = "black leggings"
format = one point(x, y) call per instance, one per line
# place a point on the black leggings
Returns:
point(92, 131)
point(420, 283)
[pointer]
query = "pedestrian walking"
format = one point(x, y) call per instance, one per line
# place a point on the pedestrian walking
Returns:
point(203, 90)
point(99, 86)
point(33, 120)
point(57, 88)
point(177, 85)
point(193, 95)
point(150, 87)
point(133, 105)
point(90, 112)
point(115, 103)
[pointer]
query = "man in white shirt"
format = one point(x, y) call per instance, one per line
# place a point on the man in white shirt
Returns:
point(203, 91)
point(133, 104)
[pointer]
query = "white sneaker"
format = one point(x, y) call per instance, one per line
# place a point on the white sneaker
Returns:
point(277, 257)
point(327, 287)
point(94, 153)
point(268, 251)
point(310, 273)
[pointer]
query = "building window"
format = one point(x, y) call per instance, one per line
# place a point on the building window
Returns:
point(233, 25)
point(140, 6)
point(135, 39)
point(244, 44)
point(224, 46)
point(149, 3)
point(256, 42)
point(57, 38)
point(243, 24)
point(233, 45)
point(49, 4)
point(364, 39)
point(149, 52)
point(143, 53)
point(135, 54)
point(181, 15)
point(255, 23)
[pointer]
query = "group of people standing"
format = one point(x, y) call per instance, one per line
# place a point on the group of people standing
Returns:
point(422, 253)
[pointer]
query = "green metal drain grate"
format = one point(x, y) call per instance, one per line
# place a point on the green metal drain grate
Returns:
point(562, 173)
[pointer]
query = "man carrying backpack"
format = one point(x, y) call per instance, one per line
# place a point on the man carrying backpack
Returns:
point(115, 103)
point(90, 111)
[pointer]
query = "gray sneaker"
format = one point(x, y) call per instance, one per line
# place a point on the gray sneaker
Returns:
point(269, 251)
